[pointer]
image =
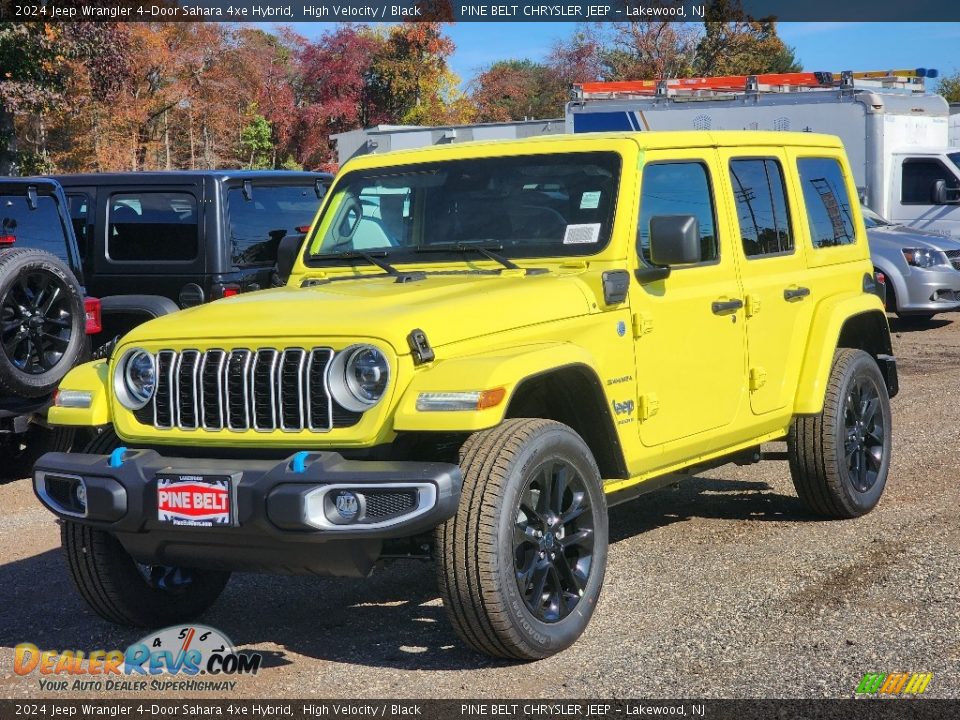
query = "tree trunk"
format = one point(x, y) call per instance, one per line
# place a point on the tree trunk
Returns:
point(8, 143)
point(166, 139)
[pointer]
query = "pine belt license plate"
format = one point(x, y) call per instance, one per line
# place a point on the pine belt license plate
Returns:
point(194, 500)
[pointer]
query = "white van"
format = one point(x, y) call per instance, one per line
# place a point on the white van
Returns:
point(895, 132)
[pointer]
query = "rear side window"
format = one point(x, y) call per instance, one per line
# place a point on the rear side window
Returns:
point(259, 223)
point(80, 218)
point(152, 226)
point(828, 205)
point(39, 229)
point(918, 176)
point(761, 199)
point(681, 188)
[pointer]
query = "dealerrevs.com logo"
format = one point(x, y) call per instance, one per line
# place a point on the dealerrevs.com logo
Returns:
point(177, 658)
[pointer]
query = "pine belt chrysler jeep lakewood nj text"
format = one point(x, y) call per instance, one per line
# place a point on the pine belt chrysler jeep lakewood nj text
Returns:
point(479, 349)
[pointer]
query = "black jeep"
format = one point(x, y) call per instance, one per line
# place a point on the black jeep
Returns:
point(45, 317)
point(188, 236)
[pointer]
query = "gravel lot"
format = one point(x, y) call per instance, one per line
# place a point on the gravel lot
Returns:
point(722, 587)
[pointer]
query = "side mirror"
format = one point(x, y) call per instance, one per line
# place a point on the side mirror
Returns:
point(940, 194)
point(287, 252)
point(674, 240)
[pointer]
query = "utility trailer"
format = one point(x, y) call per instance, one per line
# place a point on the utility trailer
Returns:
point(896, 133)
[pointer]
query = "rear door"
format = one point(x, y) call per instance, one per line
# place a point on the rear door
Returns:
point(778, 294)
point(148, 239)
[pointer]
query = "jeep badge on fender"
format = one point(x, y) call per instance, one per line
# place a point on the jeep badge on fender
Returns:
point(480, 348)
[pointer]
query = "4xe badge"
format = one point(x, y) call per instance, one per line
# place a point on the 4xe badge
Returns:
point(193, 500)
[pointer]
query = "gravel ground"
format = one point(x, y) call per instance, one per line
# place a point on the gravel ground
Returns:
point(723, 587)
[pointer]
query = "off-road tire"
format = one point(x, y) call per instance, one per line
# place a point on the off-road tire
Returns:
point(817, 445)
point(477, 571)
point(62, 354)
point(23, 450)
point(112, 583)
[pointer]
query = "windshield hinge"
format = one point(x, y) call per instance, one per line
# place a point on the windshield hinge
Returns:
point(32, 196)
point(248, 190)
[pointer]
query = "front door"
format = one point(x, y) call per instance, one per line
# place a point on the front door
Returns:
point(911, 201)
point(690, 337)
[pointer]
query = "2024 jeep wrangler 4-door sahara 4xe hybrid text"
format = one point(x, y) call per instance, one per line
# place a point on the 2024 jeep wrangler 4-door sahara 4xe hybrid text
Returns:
point(479, 349)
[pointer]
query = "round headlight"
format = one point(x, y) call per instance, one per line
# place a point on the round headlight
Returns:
point(135, 379)
point(358, 377)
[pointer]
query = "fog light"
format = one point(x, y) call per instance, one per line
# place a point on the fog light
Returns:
point(81, 494)
point(347, 504)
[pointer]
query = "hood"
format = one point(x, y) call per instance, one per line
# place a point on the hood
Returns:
point(448, 308)
point(902, 236)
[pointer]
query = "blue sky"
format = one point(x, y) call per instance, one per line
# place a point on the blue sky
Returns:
point(820, 46)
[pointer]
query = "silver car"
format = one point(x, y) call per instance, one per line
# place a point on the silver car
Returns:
point(922, 268)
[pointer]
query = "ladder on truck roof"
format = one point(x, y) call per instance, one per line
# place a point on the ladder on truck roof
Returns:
point(906, 80)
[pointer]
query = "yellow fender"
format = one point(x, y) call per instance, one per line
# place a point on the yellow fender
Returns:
point(498, 369)
point(830, 316)
point(94, 378)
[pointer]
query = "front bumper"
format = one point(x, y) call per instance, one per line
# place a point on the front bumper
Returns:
point(930, 290)
point(283, 516)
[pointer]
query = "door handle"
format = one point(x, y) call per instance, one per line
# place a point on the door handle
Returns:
point(722, 307)
point(795, 293)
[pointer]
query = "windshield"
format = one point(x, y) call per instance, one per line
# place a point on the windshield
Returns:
point(259, 223)
point(40, 229)
point(954, 158)
point(528, 206)
point(871, 219)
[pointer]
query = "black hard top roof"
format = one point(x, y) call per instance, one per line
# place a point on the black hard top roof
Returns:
point(179, 176)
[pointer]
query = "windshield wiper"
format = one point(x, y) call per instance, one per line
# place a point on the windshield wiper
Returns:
point(488, 251)
point(373, 258)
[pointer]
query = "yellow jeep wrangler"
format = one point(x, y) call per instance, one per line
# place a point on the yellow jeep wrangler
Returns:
point(479, 349)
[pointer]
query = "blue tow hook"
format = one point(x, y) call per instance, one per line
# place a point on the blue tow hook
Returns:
point(116, 457)
point(299, 462)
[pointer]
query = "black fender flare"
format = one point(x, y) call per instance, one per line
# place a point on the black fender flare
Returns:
point(152, 306)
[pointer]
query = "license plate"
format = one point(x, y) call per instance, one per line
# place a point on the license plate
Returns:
point(193, 500)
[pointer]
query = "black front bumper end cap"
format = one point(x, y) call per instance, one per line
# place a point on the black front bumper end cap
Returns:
point(288, 500)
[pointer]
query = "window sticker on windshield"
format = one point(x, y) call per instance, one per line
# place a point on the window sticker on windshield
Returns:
point(582, 234)
point(590, 200)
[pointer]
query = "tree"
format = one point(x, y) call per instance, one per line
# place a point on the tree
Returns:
point(649, 50)
point(517, 90)
point(257, 140)
point(736, 44)
point(949, 87)
point(410, 81)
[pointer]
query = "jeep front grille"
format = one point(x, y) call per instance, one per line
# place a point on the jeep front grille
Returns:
point(242, 389)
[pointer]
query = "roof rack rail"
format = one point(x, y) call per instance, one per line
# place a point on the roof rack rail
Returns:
point(909, 80)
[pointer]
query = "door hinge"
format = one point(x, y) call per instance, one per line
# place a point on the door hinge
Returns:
point(758, 378)
point(648, 406)
point(753, 305)
point(642, 324)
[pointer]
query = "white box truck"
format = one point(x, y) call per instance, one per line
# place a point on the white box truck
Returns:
point(895, 132)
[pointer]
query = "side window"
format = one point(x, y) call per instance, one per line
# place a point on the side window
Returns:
point(758, 190)
point(828, 205)
point(80, 218)
point(919, 175)
point(152, 226)
point(680, 188)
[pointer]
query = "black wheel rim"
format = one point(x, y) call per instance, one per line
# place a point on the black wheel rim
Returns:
point(553, 541)
point(36, 321)
point(864, 434)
